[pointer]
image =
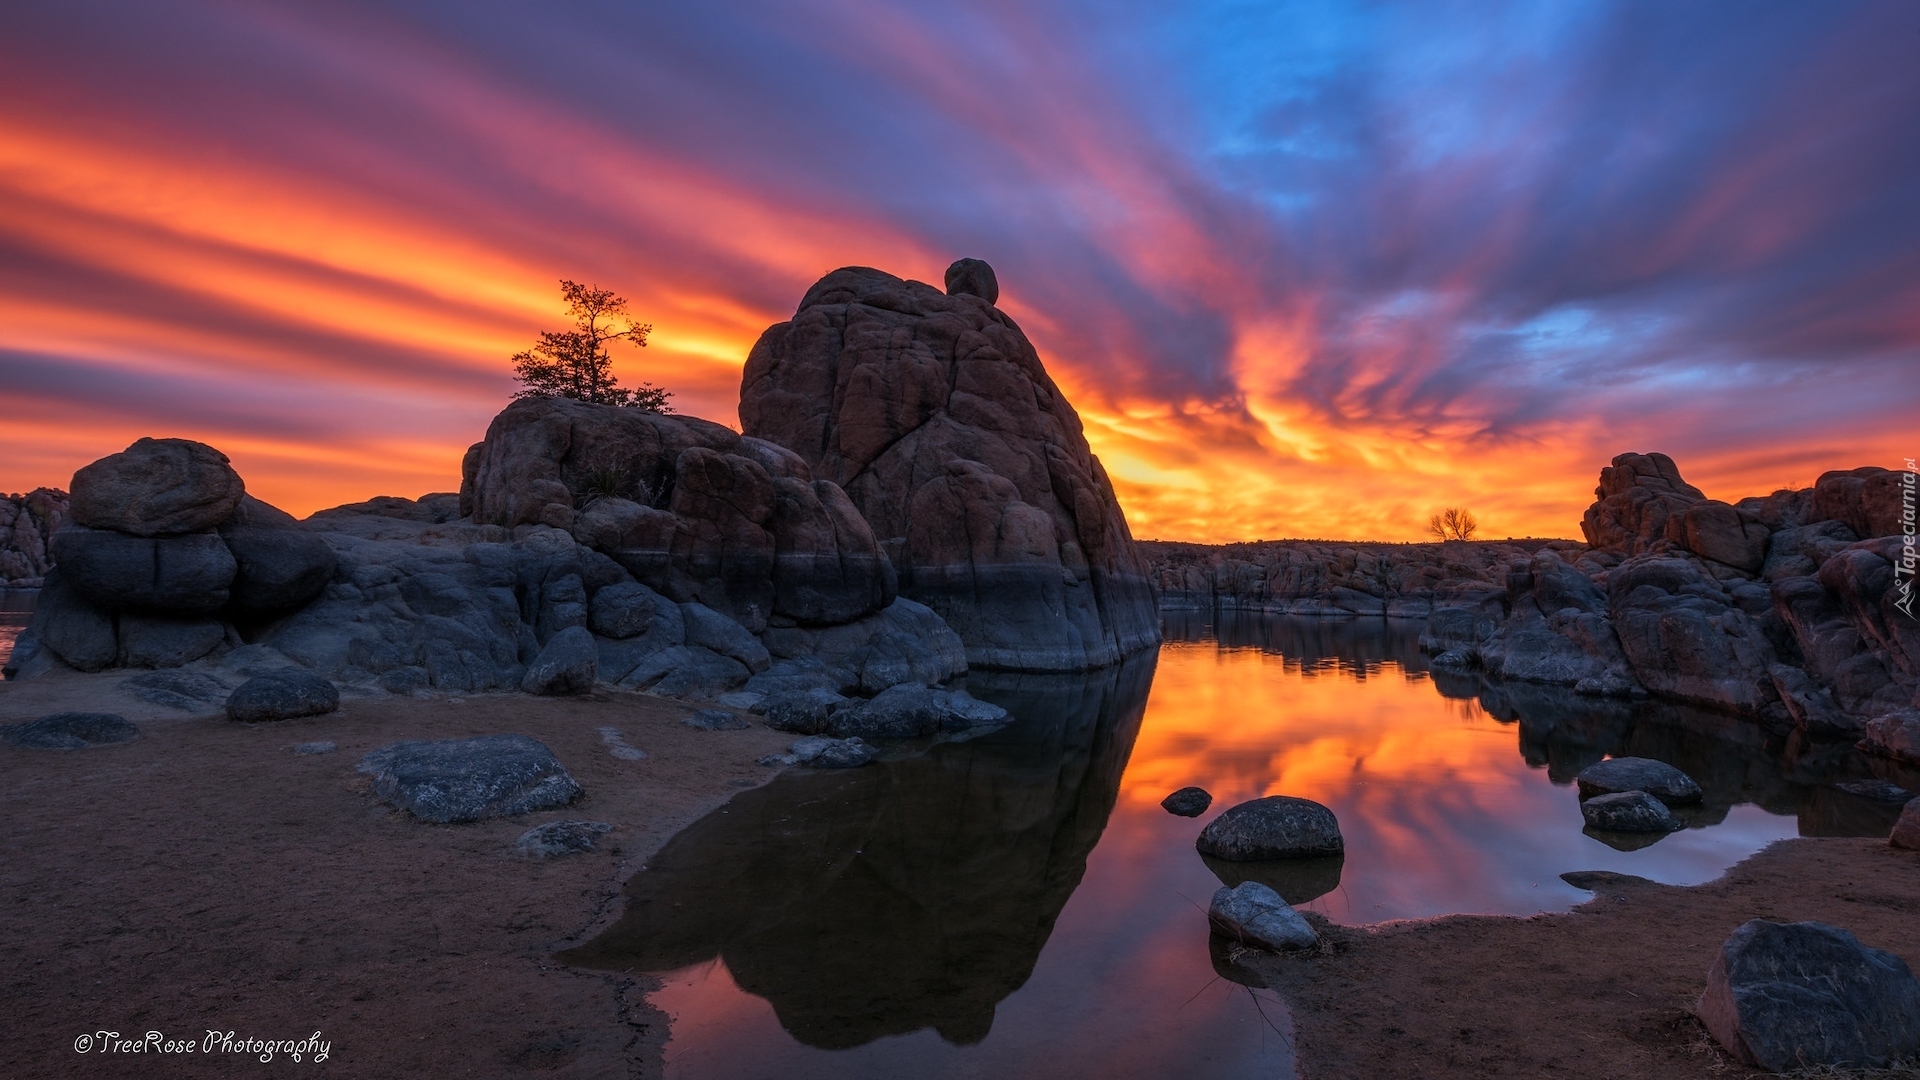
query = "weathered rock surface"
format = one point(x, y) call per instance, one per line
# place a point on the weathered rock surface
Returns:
point(1785, 996)
point(278, 564)
point(689, 508)
point(456, 780)
point(191, 691)
point(1896, 735)
point(1255, 914)
point(1276, 827)
point(282, 695)
point(186, 574)
point(1626, 774)
point(557, 838)
point(72, 629)
point(157, 487)
point(70, 731)
point(26, 523)
point(153, 641)
point(934, 414)
point(717, 720)
point(1629, 811)
point(1187, 802)
point(568, 664)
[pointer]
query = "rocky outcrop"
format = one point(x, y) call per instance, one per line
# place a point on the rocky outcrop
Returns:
point(692, 510)
point(1776, 607)
point(935, 415)
point(26, 521)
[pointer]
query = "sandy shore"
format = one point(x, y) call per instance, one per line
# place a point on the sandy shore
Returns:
point(206, 877)
point(1605, 991)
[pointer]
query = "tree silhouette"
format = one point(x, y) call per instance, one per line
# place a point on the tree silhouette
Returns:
point(575, 363)
point(1453, 523)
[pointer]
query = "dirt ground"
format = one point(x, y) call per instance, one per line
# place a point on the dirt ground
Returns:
point(1605, 991)
point(204, 876)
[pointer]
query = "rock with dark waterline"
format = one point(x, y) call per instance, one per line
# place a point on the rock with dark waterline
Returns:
point(1276, 827)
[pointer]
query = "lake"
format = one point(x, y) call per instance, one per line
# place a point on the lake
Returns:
point(1020, 905)
point(16, 610)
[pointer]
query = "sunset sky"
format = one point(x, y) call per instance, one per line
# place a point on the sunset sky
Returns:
point(1306, 269)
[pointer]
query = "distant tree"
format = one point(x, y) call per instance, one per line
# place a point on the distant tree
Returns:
point(1453, 523)
point(575, 363)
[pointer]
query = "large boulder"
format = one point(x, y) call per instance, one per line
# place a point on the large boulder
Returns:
point(935, 415)
point(1276, 827)
point(279, 565)
point(1786, 996)
point(456, 780)
point(155, 641)
point(68, 626)
point(1690, 636)
point(157, 487)
point(187, 574)
point(1868, 500)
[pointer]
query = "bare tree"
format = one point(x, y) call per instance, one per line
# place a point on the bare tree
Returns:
point(575, 363)
point(1453, 523)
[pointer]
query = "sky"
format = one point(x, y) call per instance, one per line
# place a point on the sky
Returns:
point(1306, 269)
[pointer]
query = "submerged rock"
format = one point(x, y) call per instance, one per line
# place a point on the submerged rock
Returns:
point(1623, 774)
point(1255, 914)
point(1786, 996)
point(1187, 802)
point(906, 711)
point(825, 753)
point(1629, 811)
point(70, 731)
point(557, 838)
point(1276, 827)
point(457, 780)
point(282, 695)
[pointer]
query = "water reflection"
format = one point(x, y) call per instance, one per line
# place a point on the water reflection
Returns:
point(16, 611)
point(916, 894)
point(1021, 905)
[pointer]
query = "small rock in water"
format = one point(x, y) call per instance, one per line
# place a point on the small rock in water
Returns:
point(1276, 827)
point(1605, 881)
point(1906, 831)
point(1796, 995)
point(70, 731)
point(1187, 802)
point(717, 720)
point(1255, 914)
point(456, 780)
point(618, 747)
point(1656, 778)
point(282, 695)
point(316, 748)
point(557, 838)
point(1629, 811)
point(189, 691)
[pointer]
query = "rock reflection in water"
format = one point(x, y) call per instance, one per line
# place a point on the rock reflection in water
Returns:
point(909, 894)
point(1736, 760)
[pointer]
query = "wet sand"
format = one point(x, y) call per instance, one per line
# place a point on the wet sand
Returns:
point(206, 877)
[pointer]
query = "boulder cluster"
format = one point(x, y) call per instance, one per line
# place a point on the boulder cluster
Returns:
point(26, 521)
point(165, 554)
point(1782, 607)
point(934, 507)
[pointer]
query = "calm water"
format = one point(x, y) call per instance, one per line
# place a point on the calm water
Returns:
point(1021, 906)
point(16, 610)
